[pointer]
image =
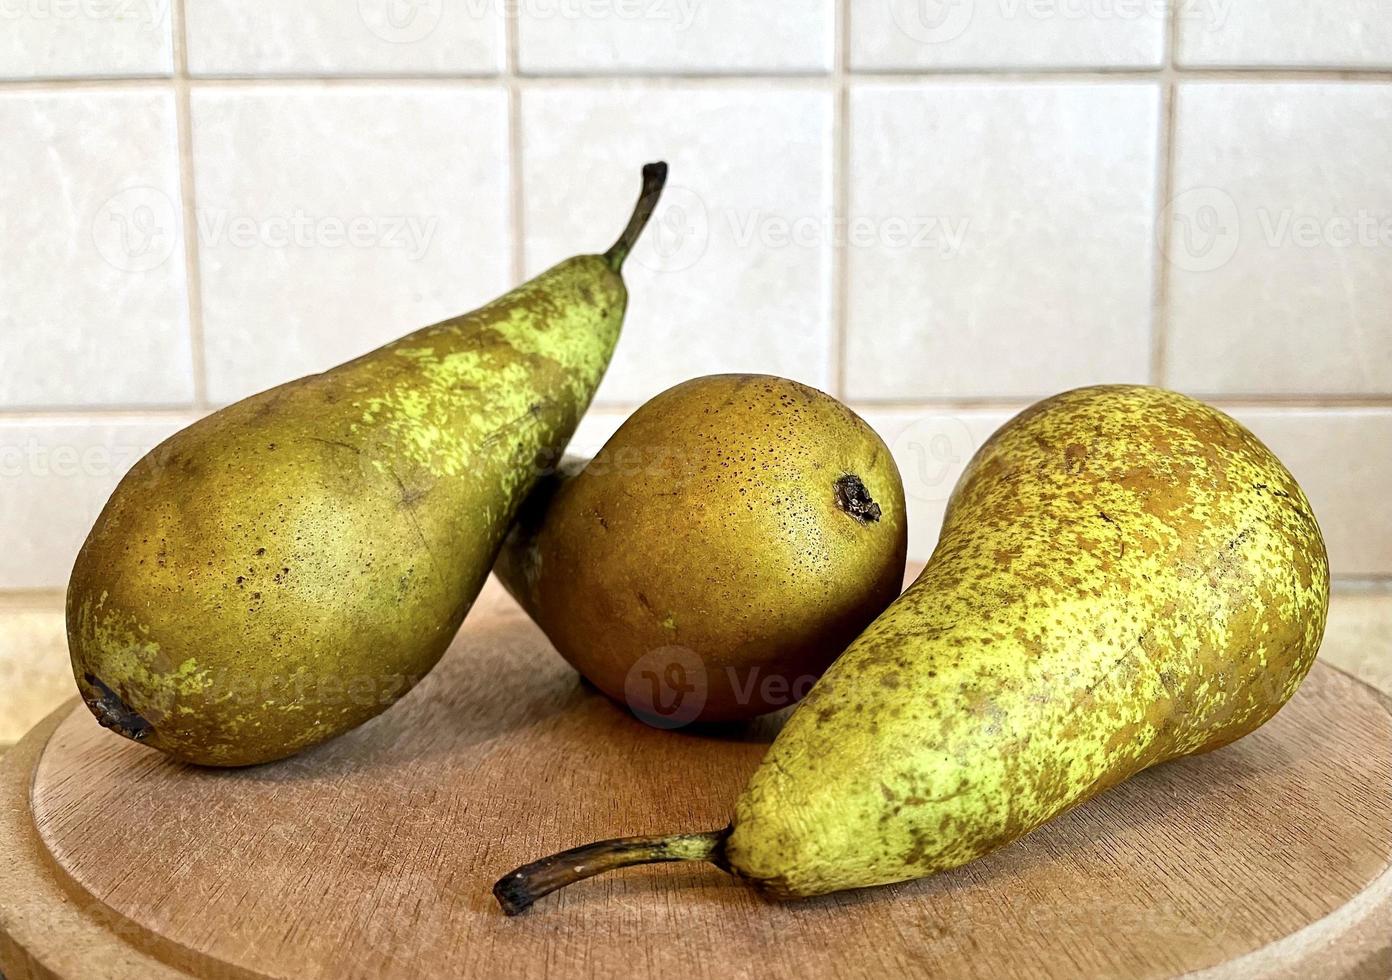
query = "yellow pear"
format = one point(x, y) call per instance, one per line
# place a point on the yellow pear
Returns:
point(718, 553)
point(288, 567)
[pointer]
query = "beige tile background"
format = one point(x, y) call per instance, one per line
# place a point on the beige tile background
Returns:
point(314, 37)
point(938, 210)
point(284, 175)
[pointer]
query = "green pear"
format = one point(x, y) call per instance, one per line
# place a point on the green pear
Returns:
point(288, 567)
point(718, 553)
point(1124, 576)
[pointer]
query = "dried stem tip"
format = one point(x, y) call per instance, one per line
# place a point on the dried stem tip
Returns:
point(654, 177)
point(517, 890)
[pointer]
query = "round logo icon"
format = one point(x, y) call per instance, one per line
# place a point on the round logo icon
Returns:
point(401, 21)
point(932, 452)
point(667, 687)
point(136, 230)
point(932, 21)
point(1204, 229)
point(678, 234)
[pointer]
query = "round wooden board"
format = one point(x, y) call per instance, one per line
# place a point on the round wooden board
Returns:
point(373, 856)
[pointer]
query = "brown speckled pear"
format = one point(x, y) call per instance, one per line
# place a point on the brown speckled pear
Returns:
point(1125, 576)
point(288, 567)
point(718, 553)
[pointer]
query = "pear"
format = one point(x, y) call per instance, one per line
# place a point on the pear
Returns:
point(718, 553)
point(288, 567)
point(1124, 576)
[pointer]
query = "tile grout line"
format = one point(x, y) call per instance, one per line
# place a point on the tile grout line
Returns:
point(1161, 228)
point(840, 196)
point(516, 201)
point(1329, 402)
point(1255, 74)
point(193, 278)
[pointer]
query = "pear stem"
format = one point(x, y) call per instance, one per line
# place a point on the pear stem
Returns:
point(654, 176)
point(517, 890)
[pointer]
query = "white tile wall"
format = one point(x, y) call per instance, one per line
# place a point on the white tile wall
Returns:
point(93, 305)
point(734, 272)
point(331, 221)
point(984, 34)
point(603, 36)
point(1007, 244)
point(1280, 244)
point(318, 37)
point(810, 143)
point(1286, 33)
point(85, 38)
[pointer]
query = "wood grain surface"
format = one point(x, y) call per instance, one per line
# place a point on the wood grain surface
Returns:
point(373, 856)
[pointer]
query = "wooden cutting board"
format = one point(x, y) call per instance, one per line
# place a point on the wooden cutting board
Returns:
point(373, 856)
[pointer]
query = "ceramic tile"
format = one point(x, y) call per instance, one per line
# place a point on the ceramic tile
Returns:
point(1286, 33)
point(93, 307)
point(599, 36)
point(1280, 245)
point(318, 37)
point(733, 274)
point(332, 221)
point(937, 34)
point(1000, 238)
point(85, 38)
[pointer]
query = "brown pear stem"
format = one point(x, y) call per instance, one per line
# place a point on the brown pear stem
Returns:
point(654, 177)
point(517, 890)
